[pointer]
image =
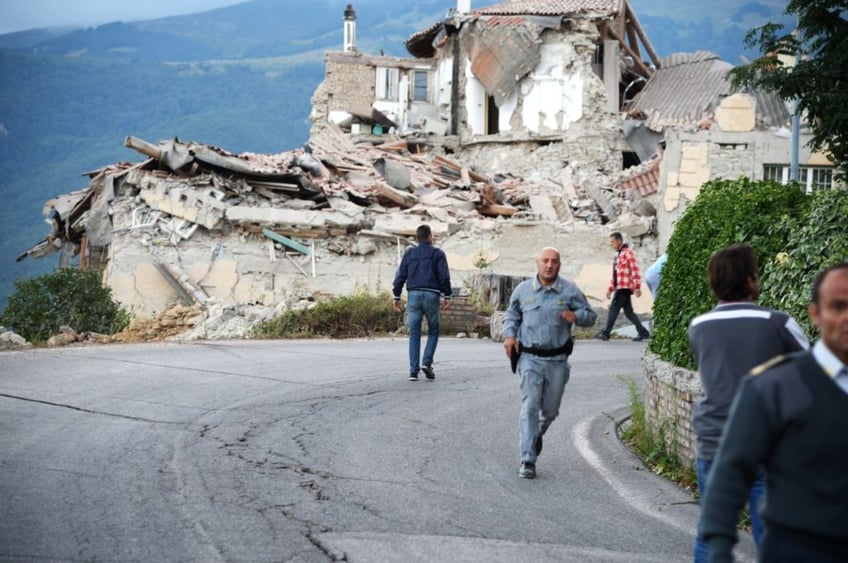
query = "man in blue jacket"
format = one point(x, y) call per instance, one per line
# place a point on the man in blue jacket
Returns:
point(424, 270)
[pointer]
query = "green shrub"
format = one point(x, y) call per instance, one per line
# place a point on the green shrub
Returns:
point(69, 296)
point(357, 315)
point(817, 241)
point(762, 214)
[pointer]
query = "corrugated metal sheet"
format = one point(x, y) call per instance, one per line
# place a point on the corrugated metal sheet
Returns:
point(687, 89)
point(552, 7)
point(771, 110)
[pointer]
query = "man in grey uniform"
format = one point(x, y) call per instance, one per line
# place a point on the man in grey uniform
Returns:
point(537, 328)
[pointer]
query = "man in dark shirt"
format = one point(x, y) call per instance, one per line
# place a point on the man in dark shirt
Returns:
point(791, 416)
point(424, 270)
point(727, 341)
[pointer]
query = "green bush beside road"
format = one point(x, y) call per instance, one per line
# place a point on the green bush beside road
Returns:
point(69, 296)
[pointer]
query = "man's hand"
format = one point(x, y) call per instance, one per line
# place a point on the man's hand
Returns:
point(568, 316)
point(510, 344)
point(445, 304)
point(396, 304)
point(609, 294)
point(638, 292)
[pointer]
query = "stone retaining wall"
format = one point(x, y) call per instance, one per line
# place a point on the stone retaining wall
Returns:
point(463, 317)
point(668, 393)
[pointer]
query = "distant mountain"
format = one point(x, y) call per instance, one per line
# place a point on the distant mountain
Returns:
point(275, 28)
point(239, 77)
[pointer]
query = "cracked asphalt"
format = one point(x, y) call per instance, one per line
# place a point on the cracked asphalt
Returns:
point(320, 450)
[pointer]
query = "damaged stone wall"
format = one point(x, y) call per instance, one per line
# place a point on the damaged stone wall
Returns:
point(695, 157)
point(556, 90)
point(349, 82)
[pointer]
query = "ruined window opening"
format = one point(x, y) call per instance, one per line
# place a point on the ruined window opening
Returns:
point(812, 178)
point(492, 116)
point(732, 146)
point(420, 85)
point(598, 60)
point(387, 80)
point(629, 159)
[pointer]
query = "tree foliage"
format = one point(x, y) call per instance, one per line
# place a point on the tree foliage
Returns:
point(40, 306)
point(817, 241)
point(818, 80)
point(725, 212)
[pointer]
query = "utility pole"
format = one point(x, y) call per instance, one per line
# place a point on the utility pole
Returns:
point(796, 123)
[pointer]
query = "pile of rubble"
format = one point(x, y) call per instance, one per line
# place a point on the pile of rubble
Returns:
point(330, 189)
point(328, 217)
point(10, 339)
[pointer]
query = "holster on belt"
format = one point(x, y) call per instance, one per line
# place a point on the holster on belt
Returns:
point(513, 358)
point(566, 349)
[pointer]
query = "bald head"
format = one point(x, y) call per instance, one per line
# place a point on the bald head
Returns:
point(547, 265)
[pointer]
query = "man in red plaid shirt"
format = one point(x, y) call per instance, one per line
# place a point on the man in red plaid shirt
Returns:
point(625, 281)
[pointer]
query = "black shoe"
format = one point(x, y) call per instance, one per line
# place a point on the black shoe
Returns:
point(602, 336)
point(537, 445)
point(428, 372)
point(413, 377)
point(642, 337)
point(527, 470)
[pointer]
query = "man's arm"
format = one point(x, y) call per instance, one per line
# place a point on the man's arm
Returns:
point(511, 323)
point(745, 445)
point(400, 278)
point(798, 340)
point(583, 312)
point(443, 273)
point(633, 274)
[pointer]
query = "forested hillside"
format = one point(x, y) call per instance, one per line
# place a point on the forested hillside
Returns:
point(65, 117)
point(239, 77)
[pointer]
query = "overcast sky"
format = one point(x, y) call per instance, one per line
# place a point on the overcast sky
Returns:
point(17, 15)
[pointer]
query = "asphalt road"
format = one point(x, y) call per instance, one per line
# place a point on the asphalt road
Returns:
point(320, 451)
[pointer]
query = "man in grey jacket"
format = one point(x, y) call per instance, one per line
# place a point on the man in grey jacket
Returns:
point(727, 342)
point(537, 327)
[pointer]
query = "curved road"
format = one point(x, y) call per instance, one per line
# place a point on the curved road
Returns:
point(320, 451)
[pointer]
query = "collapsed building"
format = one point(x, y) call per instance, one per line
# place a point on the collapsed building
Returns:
point(516, 126)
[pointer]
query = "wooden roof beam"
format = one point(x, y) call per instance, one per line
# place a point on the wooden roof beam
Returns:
point(634, 23)
point(644, 71)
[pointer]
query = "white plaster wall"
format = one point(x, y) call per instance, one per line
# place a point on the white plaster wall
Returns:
point(695, 157)
point(552, 96)
point(506, 111)
point(475, 96)
point(443, 83)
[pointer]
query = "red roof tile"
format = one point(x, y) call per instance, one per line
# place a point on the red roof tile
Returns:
point(552, 7)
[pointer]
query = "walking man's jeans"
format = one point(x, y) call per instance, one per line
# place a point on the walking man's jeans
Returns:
point(621, 300)
point(422, 304)
point(755, 495)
